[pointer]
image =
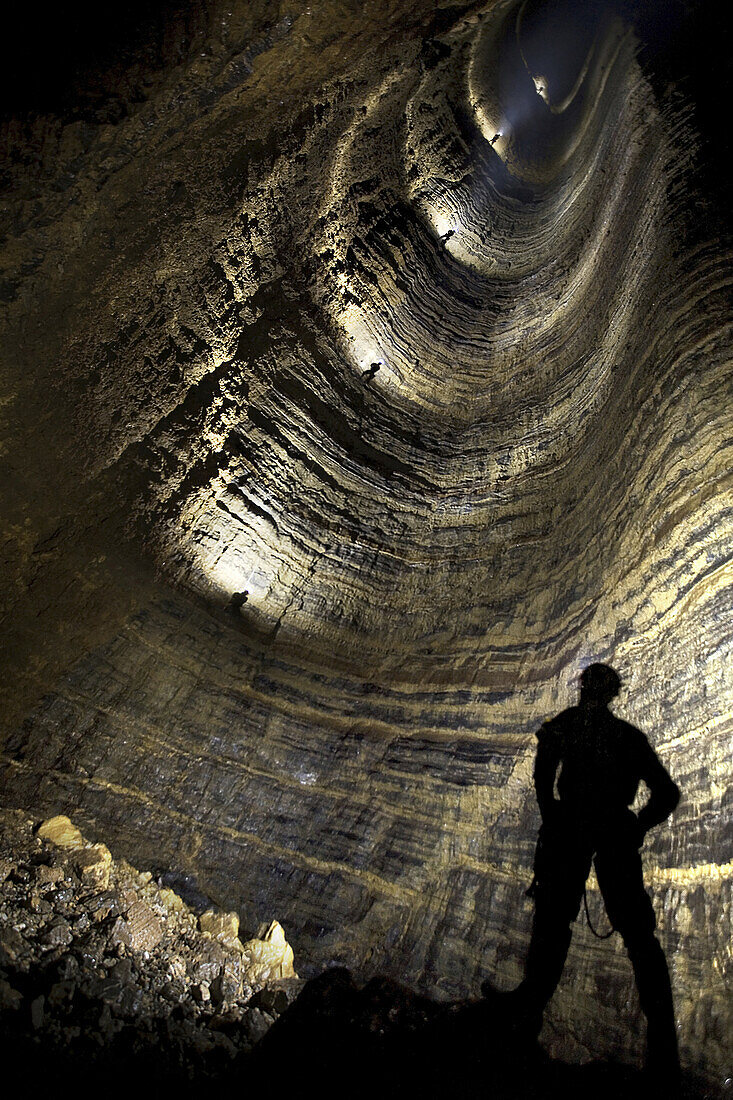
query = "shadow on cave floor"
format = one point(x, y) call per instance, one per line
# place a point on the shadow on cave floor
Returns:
point(340, 1040)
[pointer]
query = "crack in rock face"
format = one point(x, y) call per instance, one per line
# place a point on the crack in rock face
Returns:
point(369, 377)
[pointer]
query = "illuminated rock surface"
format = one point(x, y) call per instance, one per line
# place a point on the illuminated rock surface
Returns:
point(339, 431)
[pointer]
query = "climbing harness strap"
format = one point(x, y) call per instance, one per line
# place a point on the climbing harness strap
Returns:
point(590, 922)
point(531, 891)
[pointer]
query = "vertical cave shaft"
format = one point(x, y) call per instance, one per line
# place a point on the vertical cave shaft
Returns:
point(368, 377)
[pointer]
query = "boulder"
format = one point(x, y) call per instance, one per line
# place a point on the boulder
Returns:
point(269, 956)
point(142, 929)
point(9, 998)
point(58, 934)
point(224, 926)
point(225, 988)
point(61, 832)
point(37, 1012)
point(94, 862)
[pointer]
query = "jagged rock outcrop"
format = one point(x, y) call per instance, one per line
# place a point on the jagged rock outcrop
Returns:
point(366, 376)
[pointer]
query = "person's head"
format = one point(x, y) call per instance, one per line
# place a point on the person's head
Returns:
point(598, 685)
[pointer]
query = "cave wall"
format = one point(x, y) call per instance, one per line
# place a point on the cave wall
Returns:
point(404, 322)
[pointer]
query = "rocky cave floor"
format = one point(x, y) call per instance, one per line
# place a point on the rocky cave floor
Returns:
point(108, 975)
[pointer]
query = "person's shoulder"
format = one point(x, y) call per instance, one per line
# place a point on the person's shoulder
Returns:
point(555, 727)
point(632, 735)
point(626, 727)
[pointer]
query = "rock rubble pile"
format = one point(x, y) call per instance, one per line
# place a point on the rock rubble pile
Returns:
point(96, 956)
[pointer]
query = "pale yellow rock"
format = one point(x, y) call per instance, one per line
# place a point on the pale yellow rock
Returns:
point(224, 926)
point(61, 832)
point(95, 863)
point(170, 899)
point(268, 957)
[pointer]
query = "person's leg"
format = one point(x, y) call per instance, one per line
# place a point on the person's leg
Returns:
point(655, 995)
point(618, 867)
point(562, 865)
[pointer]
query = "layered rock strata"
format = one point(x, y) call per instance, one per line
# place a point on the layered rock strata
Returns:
point(391, 339)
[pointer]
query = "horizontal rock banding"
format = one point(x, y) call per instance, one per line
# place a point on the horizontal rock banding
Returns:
point(416, 420)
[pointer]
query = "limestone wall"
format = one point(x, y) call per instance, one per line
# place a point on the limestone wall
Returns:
point(364, 380)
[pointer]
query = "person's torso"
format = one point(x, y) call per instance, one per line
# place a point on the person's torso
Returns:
point(599, 762)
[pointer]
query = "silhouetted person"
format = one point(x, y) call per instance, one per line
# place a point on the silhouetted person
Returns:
point(237, 601)
point(601, 761)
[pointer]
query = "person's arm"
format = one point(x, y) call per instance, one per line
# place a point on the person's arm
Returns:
point(664, 794)
point(545, 766)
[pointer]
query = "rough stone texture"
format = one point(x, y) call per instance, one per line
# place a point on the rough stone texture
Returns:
point(339, 432)
point(119, 967)
point(224, 925)
point(94, 863)
point(269, 956)
point(62, 832)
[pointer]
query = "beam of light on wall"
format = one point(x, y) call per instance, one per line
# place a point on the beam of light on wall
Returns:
point(494, 128)
point(361, 343)
point(232, 574)
point(231, 554)
point(540, 83)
